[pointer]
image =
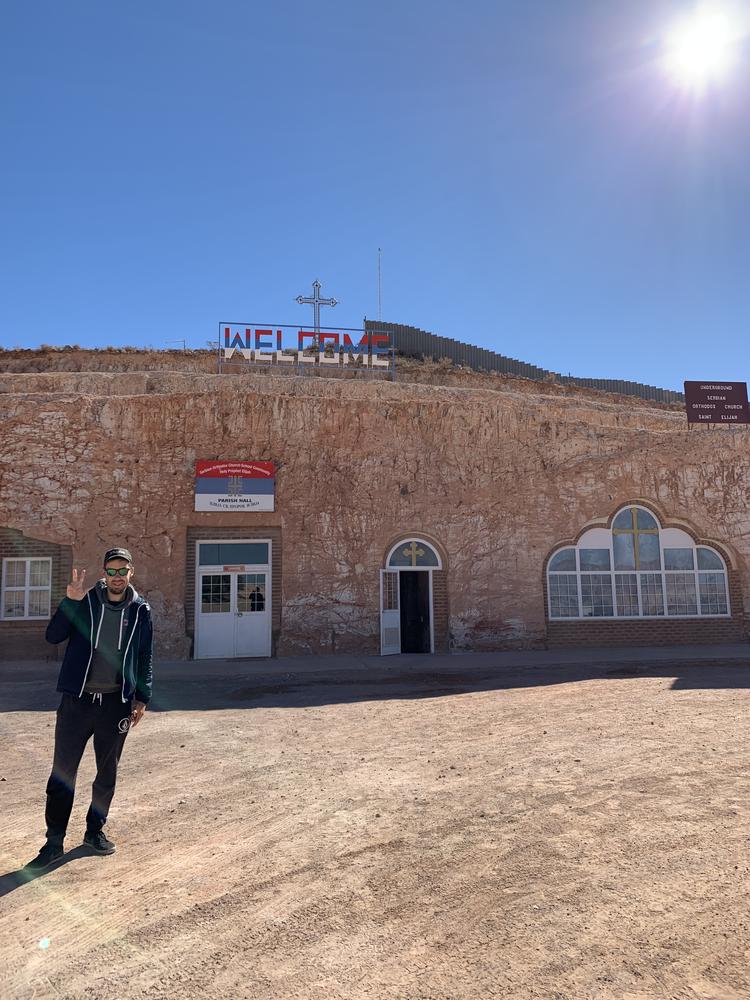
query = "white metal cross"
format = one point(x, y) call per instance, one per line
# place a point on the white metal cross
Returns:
point(316, 302)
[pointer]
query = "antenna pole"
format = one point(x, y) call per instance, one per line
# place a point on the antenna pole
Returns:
point(379, 289)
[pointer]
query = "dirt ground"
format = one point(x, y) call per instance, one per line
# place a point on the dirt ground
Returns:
point(569, 833)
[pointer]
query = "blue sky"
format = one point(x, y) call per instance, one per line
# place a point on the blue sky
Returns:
point(536, 183)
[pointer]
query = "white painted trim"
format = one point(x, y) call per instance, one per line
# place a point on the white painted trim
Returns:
point(266, 568)
point(27, 590)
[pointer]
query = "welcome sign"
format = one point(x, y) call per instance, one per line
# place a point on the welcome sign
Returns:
point(230, 486)
point(324, 347)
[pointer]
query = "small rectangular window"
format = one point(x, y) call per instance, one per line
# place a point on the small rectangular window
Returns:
point(232, 553)
point(713, 593)
point(626, 592)
point(215, 593)
point(563, 595)
point(596, 595)
point(26, 588)
point(681, 598)
point(652, 595)
point(390, 591)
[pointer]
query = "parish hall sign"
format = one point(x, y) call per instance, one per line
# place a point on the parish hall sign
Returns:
point(235, 486)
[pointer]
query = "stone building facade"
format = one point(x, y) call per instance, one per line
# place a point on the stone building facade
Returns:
point(443, 511)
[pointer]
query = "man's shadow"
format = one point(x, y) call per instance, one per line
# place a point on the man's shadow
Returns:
point(22, 876)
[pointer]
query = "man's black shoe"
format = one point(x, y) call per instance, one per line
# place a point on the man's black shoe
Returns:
point(99, 843)
point(48, 855)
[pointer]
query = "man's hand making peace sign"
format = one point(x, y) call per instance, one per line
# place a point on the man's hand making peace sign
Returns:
point(75, 590)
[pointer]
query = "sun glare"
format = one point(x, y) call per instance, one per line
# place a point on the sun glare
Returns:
point(701, 49)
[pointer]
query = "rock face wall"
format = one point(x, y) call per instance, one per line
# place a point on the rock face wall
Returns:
point(497, 476)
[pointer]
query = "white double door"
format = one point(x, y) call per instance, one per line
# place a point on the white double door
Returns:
point(233, 613)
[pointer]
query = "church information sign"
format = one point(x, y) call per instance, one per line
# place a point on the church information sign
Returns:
point(717, 403)
point(229, 486)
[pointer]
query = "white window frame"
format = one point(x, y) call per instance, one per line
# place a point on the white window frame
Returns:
point(27, 589)
point(695, 573)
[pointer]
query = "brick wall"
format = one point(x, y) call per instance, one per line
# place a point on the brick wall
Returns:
point(440, 610)
point(24, 640)
point(199, 534)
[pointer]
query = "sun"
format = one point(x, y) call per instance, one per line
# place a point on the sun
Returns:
point(700, 50)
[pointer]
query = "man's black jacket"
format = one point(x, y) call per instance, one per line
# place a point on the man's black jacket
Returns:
point(78, 621)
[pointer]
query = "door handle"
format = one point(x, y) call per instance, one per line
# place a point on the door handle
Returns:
point(239, 614)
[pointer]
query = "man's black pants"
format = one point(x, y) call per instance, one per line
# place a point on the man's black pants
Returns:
point(106, 717)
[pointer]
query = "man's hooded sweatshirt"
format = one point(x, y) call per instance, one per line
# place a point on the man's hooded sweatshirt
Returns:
point(110, 644)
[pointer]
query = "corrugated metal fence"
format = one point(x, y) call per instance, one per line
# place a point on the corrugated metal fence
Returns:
point(412, 342)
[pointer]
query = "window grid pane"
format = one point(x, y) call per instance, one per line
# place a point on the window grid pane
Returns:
point(626, 592)
point(681, 599)
point(390, 592)
point(14, 604)
point(713, 593)
point(39, 573)
point(15, 573)
point(215, 594)
point(563, 594)
point(652, 595)
point(39, 601)
point(596, 595)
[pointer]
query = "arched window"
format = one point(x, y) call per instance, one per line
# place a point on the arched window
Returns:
point(636, 569)
point(413, 554)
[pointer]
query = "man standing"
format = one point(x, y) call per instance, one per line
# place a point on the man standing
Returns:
point(105, 681)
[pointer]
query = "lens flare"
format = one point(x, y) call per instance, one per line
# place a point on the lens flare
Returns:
point(700, 51)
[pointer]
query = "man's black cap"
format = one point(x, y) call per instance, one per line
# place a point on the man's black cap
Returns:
point(117, 554)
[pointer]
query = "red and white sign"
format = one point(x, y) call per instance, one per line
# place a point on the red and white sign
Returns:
point(230, 486)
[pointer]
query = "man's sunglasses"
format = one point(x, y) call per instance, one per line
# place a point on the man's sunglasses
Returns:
point(122, 571)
